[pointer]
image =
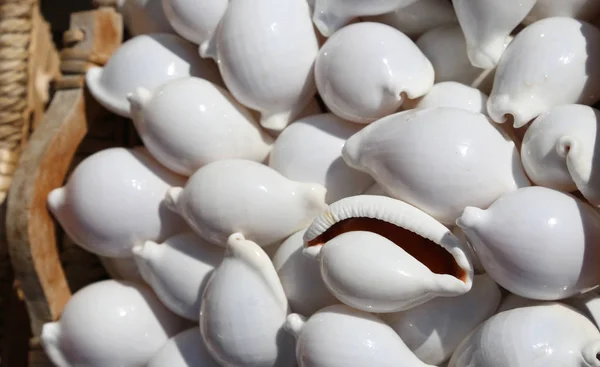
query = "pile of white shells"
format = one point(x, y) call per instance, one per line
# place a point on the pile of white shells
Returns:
point(340, 183)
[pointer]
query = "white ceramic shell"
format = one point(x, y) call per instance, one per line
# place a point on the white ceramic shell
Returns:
point(418, 17)
point(546, 65)
point(186, 349)
point(537, 336)
point(178, 270)
point(379, 254)
point(375, 189)
point(559, 150)
point(195, 21)
point(487, 24)
point(433, 330)
point(451, 94)
point(537, 242)
point(244, 308)
point(278, 45)
point(145, 61)
point(113, 201)
point(331, 15)
point(143, 16)
point(446, 48)
point(122, 268)
point(190, 122)
point(109, 323)
point(366, 70)
point(238, 195)
point(300, 277)
point(463, 159)
point(588, 304)
point(310, 150)
point(341, 336)
point(586, 10)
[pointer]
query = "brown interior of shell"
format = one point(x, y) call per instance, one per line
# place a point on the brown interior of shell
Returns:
point(429, 253)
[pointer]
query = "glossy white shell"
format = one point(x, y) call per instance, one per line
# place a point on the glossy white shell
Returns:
point(145, 61)
point(237, 195)
point(278, 45)
point(487, 24)
point(446, 48)
point(301, 277)
point(369, 272)
point(434, 329)
point(559, 150)
point(195, 21)
point(310, 150)
point(587, 10)
point(122, 268)
point(331, 15)
point(144, 16)
point(537, 336)
point(341, 336)
point(537, 243)
point(178, 270)
point(418, 17)
point(114, 201)
point(451, 94)
point(463, 159)
point(190, 122)
point(244, 308)
point(546, 65)
point(364, 71)
point(185, 349)
point(109, 323)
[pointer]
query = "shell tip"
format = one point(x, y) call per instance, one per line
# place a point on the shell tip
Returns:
point(56, 200)
point(276, 121)
point(591, 353)
point(312, 252)
point(138, 99)
point(565, 145)
point(351, 151)
point(327, 22)
point(470, 218)
point(294, 324)
point(172, 198)
point(208, 49)
point(481, 59)
point(50, 340)
point(144, 251)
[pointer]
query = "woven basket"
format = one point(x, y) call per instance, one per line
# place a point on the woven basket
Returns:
point(47, 265)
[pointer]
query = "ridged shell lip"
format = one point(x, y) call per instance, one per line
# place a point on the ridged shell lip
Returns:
point(420, 235)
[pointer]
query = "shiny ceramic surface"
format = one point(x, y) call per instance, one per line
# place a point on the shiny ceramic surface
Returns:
point(537, 242)
point(195, 21)
point(185, 349)
point(109, 323)
point(300, 277)
point(451, 94)
point(548, 64)
point(178, 270)
point(145, 61)
point(244, 308)
point(559, 150)
point(113, 201)
point(487, 24)
point(310, 150)
point(331, 15)
point(404, 256)
point(278, 44)
point(341, 336)
point(440, 182)
point(237, 195)
point(434, 329)
point(418, 17)
point(544, 335)
point(366, 70)
point(190, 122)
point(446, 48)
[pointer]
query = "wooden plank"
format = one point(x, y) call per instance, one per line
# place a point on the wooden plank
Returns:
point(30, 228)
